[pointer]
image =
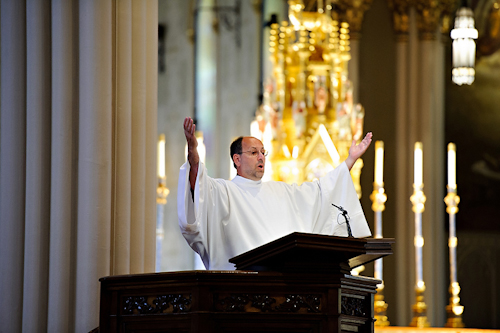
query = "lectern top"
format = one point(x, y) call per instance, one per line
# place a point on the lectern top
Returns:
point(304, 252)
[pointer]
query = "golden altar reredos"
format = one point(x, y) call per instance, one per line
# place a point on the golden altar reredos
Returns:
point(308, 119)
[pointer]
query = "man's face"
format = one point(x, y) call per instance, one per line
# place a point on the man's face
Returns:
point(250, 163)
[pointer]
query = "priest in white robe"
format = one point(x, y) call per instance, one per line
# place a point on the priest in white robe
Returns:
point(221, 219)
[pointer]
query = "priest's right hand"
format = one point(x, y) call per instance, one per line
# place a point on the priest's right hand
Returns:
point(193, 157)
point(189, 132)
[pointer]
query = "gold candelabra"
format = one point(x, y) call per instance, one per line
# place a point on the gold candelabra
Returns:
point(419, 308)
point(162, 191)
point(454, 310)
point(379, 198)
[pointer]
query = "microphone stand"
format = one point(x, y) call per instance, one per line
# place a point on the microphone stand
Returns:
point(346, 217)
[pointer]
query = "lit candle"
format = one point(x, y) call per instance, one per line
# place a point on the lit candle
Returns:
point(418, 164)
point(452, 161)
point(379, 162)
point(161, 156)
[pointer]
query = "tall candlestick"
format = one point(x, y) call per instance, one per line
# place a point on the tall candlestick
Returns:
point(162, 190)
point(454, 309)
point(379, 162)
point(418, 200)
point(452, 161)
point(418, 164)
point(379, 198)
point(161, 156)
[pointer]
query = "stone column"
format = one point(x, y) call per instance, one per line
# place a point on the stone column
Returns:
point(64, 153)
point(406, 41)
point(151, 115)
point(37, 218)
point(123, 140)
point(353, 13)
point(206, 82)
point(420, 117)
point(95, 158)
point(12, 162)
point(138, 66)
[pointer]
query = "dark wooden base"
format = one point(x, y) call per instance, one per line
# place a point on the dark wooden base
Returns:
point(237, 301)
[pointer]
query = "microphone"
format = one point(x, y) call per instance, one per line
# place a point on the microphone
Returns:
point(346, 217)
point(340, 208)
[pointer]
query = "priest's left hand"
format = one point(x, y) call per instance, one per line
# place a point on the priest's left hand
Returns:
point(356, 151)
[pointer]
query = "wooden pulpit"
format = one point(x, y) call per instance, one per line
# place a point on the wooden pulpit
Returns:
point(298, 283)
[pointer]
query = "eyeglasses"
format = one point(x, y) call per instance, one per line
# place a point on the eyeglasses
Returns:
point(255, 153)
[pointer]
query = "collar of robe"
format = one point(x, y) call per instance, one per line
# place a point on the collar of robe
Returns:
point(245, 181)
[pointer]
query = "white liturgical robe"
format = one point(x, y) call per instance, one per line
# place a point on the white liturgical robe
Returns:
point(228, 218)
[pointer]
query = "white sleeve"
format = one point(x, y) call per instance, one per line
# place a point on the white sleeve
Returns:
point(199, 220)
point(337, 188)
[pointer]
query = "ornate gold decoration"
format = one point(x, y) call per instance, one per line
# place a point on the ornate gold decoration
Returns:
point(380, 308)
point(378, 197)
point(454, 310)
point(308, 119)
point(418, 199)
point(162, 192)
point(431, 16)
point(400, 16)
point(452, 200)
point(448, 8)
point(428, 18)
point(419, 308)
point(353, 13)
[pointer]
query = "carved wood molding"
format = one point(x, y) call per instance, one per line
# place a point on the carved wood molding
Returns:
point(294, 303)
point(160, 304)
point(355, 306)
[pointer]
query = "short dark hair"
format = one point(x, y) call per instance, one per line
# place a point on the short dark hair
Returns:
point(236, 148)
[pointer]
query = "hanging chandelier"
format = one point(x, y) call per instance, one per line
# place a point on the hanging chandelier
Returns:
point(464, 47)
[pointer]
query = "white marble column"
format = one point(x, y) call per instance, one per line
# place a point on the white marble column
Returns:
point(38, 137)
point(12, 162)
point(151, 115)
point(206, 83)
point(406, 121)
point(432, 122)
point(138, 137)
point(95, 158)
point(175, 101)
point(420, 117)
point(64, 152)
point(65, 156)
point(123, 139)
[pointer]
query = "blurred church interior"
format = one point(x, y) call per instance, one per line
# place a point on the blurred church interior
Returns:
point(88, 87)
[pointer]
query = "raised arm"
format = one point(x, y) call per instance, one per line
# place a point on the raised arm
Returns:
point(356, 151)
point(193, 157)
